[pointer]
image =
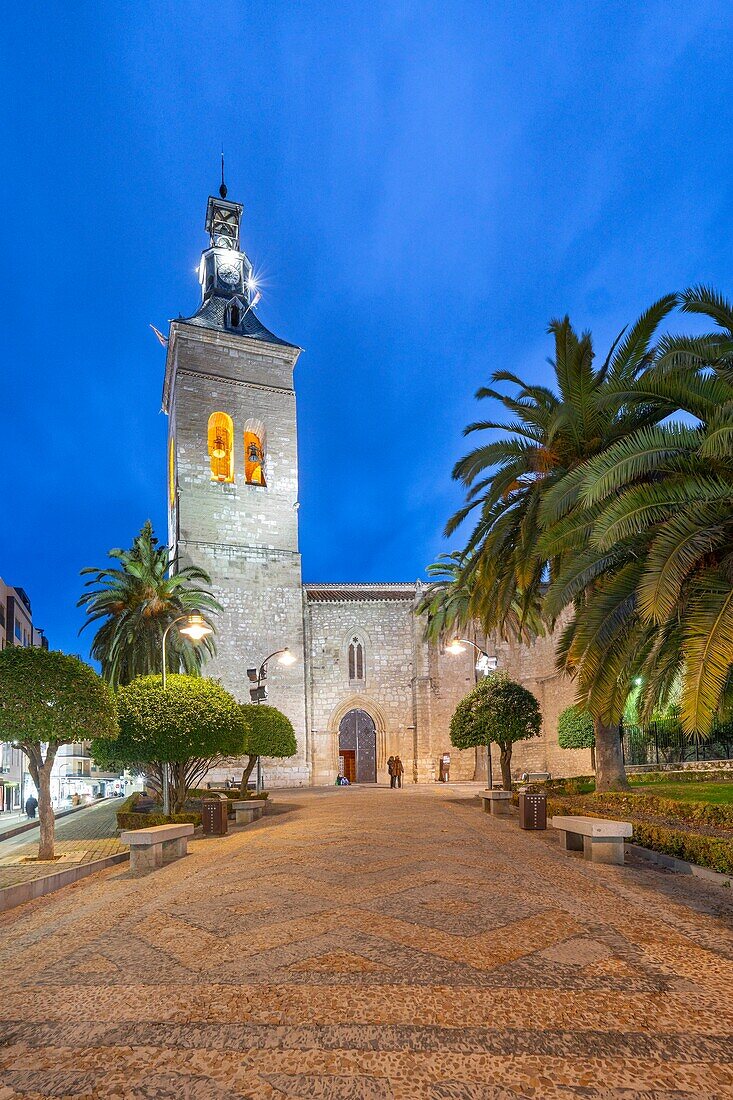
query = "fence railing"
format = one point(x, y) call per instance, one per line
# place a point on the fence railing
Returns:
point(665, 742)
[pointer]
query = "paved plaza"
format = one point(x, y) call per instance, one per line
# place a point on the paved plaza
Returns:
point(366, 943)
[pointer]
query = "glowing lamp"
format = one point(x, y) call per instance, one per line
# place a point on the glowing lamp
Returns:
point(455, 647)
point(196, 627)
point(287, 658)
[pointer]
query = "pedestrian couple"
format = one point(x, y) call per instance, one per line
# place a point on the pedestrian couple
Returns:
point(396, 770)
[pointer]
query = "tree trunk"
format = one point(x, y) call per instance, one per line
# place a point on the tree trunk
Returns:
point(505, 759)
point(610, 771)
point(45, 810)
point(593, 758)
point(251, 761)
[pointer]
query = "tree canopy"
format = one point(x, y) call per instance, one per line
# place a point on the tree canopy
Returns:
point(189, 725)
point(575, 729)
point(498, 710)
point(47, 699)
point(136, 601)
point(270, 733)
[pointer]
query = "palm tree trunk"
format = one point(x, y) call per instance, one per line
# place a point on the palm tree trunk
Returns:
point(610, 771)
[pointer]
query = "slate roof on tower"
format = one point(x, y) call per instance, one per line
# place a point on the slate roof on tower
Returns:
point(211, 314)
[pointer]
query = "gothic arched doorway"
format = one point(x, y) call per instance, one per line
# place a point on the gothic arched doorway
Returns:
point(358, 747)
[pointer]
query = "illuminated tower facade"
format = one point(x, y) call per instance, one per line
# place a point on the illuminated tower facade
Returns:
point(233, 474)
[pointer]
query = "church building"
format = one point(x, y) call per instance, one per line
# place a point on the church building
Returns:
point(364, 684)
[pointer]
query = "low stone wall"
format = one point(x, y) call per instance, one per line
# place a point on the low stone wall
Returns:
point(687, 766)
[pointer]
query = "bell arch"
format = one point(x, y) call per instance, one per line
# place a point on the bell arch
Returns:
point(221, 446)
point(255, 452)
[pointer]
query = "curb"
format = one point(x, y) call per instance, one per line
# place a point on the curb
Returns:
point(11, 896)
point(681, 866)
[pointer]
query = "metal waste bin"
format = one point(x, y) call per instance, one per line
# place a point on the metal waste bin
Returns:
point(532, 810)
point(214, 816)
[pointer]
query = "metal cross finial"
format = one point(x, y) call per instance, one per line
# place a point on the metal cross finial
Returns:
point(223, 188)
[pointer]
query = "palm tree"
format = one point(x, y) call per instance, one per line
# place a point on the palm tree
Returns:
point(661, 506)
point(529, 480)
point(136, 601)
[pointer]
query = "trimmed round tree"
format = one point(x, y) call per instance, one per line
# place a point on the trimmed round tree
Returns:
point(188, 728)
point(271, 733)
point(576, 730)
point(499, 710)
point(48, 699)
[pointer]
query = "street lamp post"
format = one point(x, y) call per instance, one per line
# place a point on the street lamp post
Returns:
point(258, 693)
point(484, 664)
point(196, 628)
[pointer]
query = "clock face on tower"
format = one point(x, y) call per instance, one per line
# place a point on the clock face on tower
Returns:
point(228, 274)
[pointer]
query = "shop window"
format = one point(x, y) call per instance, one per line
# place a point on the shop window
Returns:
point(254, 453)
point(357, 667)
point(221, 447)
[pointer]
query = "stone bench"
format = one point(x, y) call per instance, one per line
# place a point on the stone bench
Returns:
point(496, 803)
point(250, 809)
point(151, 848)
point(600, 840)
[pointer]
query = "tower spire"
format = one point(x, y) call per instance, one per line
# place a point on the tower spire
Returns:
point(223, 187)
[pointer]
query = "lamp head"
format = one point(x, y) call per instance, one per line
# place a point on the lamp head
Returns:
point(287, 658)
point(455, 647)
point(195, 627)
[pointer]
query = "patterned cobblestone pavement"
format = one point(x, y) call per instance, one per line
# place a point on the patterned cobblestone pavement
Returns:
point(80, 838)
point(366, 944)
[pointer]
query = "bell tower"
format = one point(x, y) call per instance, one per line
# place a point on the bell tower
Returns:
point(233, 475)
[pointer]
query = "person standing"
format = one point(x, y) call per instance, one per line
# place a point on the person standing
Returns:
point(390, 769)
point(399, 771)
point(31, 805)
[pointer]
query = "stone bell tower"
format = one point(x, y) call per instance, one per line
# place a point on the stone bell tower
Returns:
point(233, 475)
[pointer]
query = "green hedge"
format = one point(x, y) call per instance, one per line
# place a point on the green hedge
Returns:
point(232, 794)
point(687, 776)
point(715, 852)
point(147, 821)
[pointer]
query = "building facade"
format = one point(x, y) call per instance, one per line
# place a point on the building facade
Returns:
point(17, 629)
point(365, 684)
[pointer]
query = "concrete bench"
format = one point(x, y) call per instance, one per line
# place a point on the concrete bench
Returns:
point(250, 809)
point(600, 840)
point(151, 848)
point(496, 803)
point(535, 777)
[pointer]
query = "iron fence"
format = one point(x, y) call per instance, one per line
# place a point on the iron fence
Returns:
point(665, 742)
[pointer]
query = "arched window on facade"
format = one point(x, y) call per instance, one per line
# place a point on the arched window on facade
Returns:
point(254, 453)
point(221, 447)
point(235, 313)
point(357, 663)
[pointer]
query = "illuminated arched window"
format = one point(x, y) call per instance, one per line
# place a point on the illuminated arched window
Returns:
point(254, 453)
point(172, 471)
point(221, 447)
point(357, 663)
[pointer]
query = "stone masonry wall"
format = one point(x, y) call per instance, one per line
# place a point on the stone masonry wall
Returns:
point(244, 536)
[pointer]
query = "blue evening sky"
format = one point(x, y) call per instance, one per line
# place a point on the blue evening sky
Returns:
point(425, 185)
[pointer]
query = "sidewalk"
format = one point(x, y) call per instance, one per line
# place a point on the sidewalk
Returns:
point(19, 822)
point(88, 834)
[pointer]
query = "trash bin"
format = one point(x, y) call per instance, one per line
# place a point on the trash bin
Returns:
point(532, 810)
point(214, 816)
